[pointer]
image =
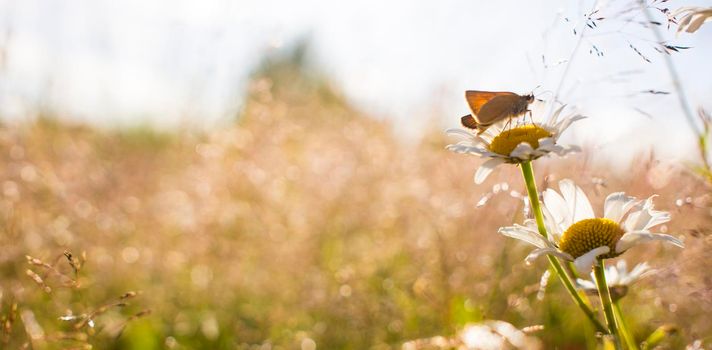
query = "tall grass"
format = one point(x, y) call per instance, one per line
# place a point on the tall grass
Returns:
point(305, 222)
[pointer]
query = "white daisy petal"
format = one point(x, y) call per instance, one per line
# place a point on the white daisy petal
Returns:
point(547, 144)
point(641, 220)
point(612, 275)
point(459, 148)
point(559, 150)
point(486, 168)
point(657, 218)
point(585, 262)
point(579, 206)
point(522, 151)
point(617, 205)
point(631, 221)
point(525, 234)
point(558, 209)
point(564, 150)
point(554, 116)
point(638, 272)
point(565, 123)
point(492, 132)
point(630, 239)
point(488, 154)
point(639, 269)
point(552, 228)
point(531, 224)
point(459, 132)
point(536, 253)
point(645, 217)
point(538, 153)
point(585, 284)
point(645, 273)
point(462, 148)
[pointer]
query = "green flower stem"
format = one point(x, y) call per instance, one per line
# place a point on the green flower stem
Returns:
point(528, 174)
point(623, 327)
point(604, 293)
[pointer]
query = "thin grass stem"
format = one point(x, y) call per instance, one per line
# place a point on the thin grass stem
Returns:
point(627, 336)
point(604, 293)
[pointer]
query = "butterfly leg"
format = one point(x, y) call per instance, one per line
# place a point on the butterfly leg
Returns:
point(508, 125)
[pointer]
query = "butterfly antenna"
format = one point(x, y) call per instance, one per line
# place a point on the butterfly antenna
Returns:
point(545, 92)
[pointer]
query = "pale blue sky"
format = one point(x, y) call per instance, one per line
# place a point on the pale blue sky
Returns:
point(185, 62)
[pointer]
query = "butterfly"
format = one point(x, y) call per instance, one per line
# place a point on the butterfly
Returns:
point(489, 107)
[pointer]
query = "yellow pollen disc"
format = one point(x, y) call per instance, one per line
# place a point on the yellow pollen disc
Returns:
point(588, 234)
point(507, 140)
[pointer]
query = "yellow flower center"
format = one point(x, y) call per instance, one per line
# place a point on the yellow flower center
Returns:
point(589, 234)
point(507, 140)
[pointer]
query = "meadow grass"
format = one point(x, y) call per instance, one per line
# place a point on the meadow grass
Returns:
point(305, 222)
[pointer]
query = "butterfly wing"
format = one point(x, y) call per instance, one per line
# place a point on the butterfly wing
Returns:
point(477, 99)
point(498, 108)
point(469, 122)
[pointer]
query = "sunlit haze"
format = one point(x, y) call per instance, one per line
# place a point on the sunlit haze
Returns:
point(175, 63)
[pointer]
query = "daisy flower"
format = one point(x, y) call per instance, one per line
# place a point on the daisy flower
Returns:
point(502, 143)
point(486, 335)
point(576, 234)
point(618, 279)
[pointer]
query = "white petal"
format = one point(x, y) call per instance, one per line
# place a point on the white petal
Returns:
point(546, 141)
point(558, 208)
point(525, 234)
point(479, 139)
point(579, 206)
point(633, 238)
point(488, 154)
point(531, 224)
point(523, 151)
point(554, 116)
point(638, 272)
point(465, 148)
point(564, 150)
point(459, 133)
point(631, 222)
point(486, 168)
point(513, 335)
point(566, 122)
point(547, 144)
point(586, 261)
point(553, 230)
point(657, 217)
point(645, 217)
point(547, 251)
point(621, 265)
point(585, 284)
point(539, 152)
point(457, 148)
point(617, 205)
point(613, 275)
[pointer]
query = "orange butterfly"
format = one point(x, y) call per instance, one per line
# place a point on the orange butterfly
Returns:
point(489, 107)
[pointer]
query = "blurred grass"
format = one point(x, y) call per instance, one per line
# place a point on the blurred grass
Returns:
point(305, 219)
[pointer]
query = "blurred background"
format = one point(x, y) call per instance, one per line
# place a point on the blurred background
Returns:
point(272, 175)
